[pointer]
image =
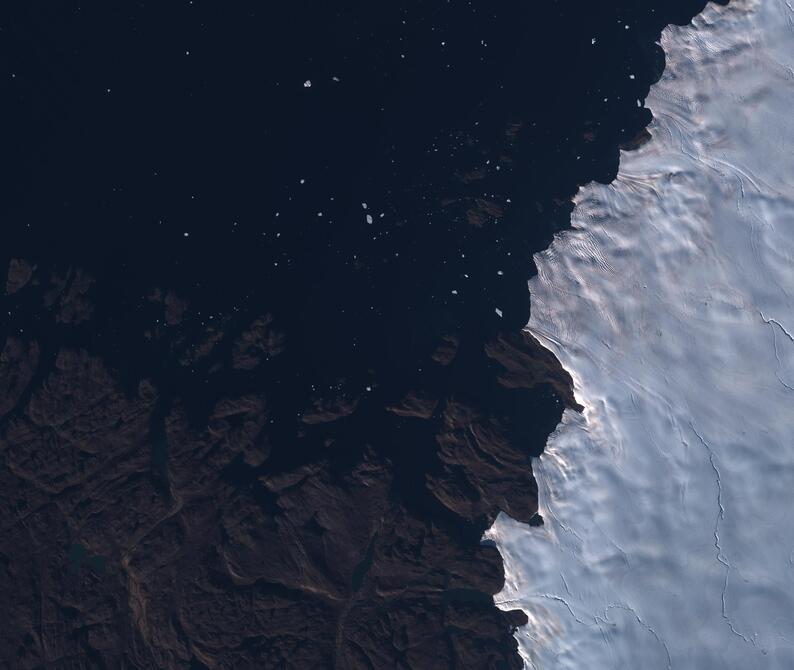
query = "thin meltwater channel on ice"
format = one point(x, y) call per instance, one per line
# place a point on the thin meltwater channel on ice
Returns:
point(669, 503)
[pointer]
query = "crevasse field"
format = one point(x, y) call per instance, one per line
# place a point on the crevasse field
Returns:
point(669, 504)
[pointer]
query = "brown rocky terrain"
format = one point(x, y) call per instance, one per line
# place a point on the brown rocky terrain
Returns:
point(152, 539)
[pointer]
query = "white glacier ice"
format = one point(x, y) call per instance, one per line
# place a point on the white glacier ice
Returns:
point(669, 504)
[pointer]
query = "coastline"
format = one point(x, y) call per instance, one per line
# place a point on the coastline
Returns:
point(268, 385)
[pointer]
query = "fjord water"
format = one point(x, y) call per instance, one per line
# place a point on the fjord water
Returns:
point(669, 533)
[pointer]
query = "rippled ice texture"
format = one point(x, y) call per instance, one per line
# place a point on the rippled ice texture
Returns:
point(669, 505)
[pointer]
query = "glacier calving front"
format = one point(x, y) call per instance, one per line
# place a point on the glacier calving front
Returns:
point(669, 504)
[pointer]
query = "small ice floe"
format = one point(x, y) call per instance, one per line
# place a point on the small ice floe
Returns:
point(369, 218)
point(307, 83)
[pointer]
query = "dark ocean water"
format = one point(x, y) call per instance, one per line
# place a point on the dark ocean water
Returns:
point(178, 146)
point(127, 127)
